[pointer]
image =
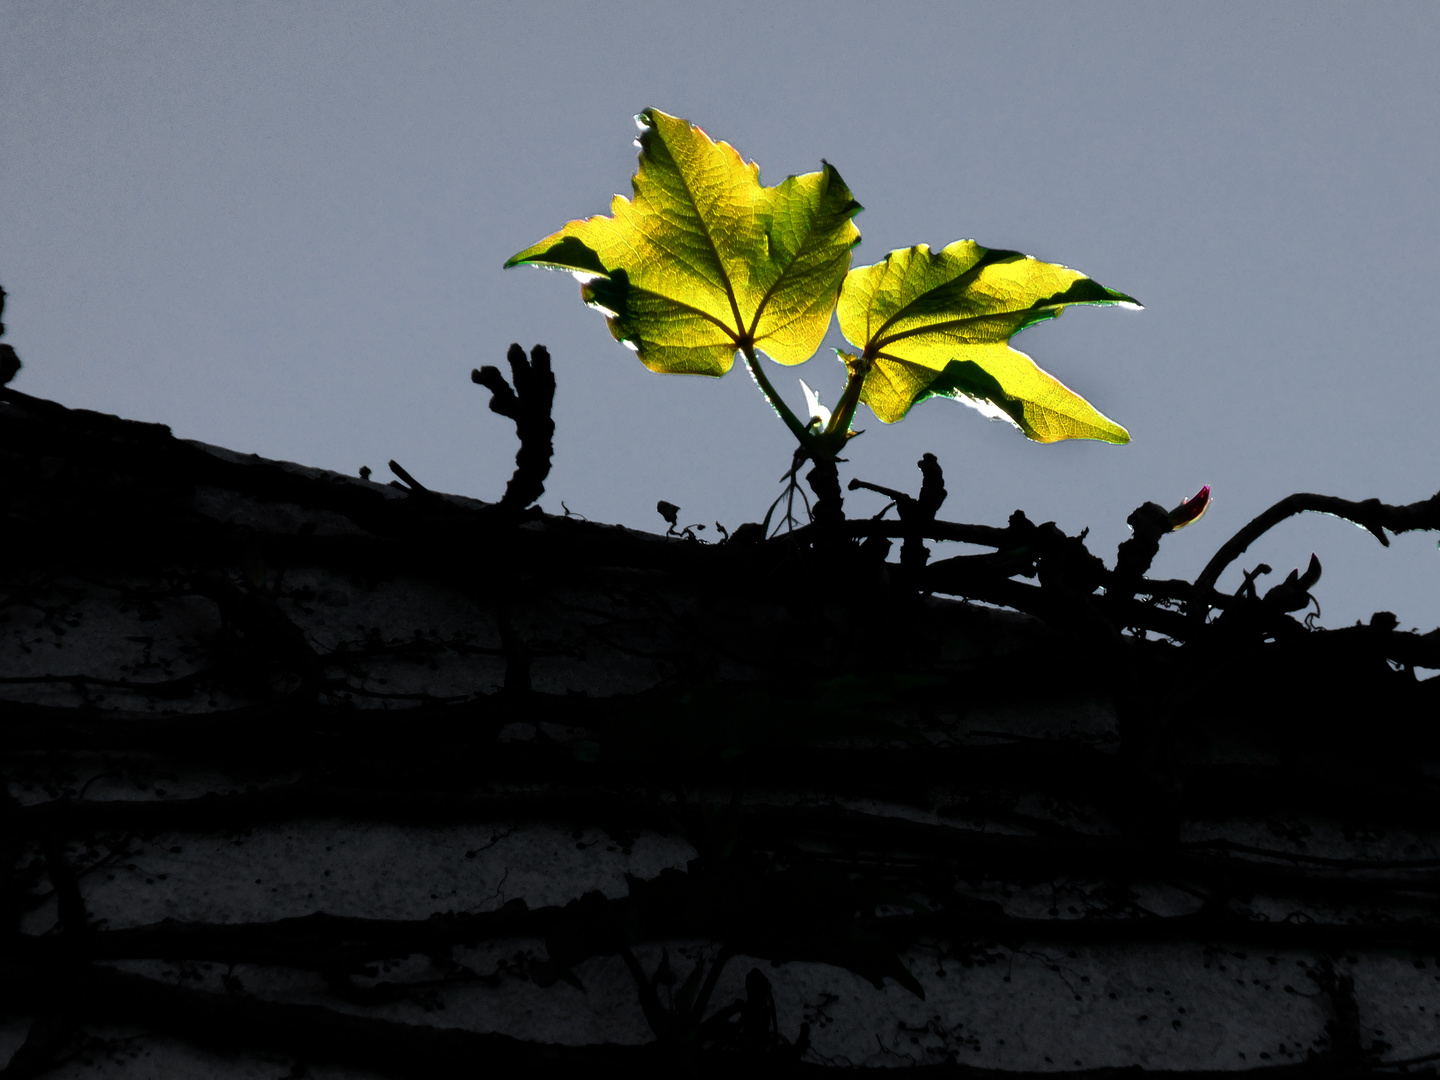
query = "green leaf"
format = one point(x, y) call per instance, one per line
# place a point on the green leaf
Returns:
point(937, 324)
point(705, 261)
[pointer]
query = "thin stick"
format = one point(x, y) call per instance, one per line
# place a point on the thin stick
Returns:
point(1371, 514)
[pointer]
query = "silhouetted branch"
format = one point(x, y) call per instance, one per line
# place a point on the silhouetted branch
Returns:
point(9, 362)
point(829, 510)
point(917, 513)
point(408, 481)
point(529, 405)
point(1370, 514)
point(1148, 523)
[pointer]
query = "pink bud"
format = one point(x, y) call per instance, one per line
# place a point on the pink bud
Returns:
point(1191, 510)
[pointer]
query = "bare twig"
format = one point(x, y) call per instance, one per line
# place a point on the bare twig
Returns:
point(1371, 514)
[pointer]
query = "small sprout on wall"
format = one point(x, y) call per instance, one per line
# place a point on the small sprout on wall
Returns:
point(705, 262)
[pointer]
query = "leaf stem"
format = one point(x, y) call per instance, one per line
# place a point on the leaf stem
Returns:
point(838, 429)
point(807, 441)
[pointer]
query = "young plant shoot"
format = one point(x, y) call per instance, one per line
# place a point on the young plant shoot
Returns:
point(705, 262)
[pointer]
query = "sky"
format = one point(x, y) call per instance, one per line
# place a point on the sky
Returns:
point(280, 228)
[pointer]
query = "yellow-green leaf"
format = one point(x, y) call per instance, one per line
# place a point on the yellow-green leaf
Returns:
point(704, 260)
point(937, 324)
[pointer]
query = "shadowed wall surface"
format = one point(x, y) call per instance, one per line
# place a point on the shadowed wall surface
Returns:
point(311, 772)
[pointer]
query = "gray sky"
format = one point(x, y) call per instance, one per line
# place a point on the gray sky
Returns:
point(280, 228)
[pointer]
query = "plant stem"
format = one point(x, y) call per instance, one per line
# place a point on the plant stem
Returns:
point(807, 441)
point(844, 414)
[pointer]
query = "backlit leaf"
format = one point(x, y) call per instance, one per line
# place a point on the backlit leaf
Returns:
point(704, 260)
point(937, 324)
